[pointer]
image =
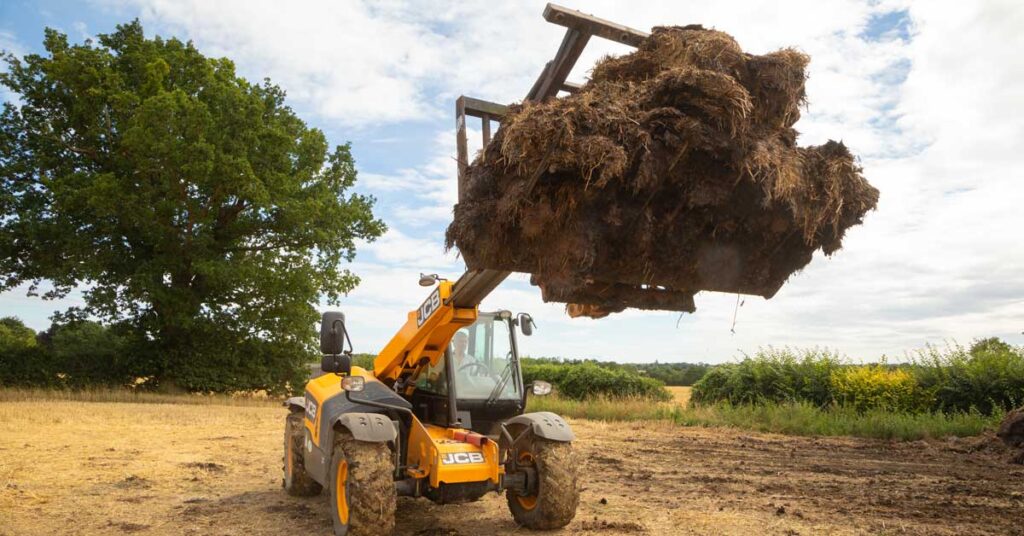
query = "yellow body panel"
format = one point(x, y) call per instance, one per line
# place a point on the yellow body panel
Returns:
point(326, 387)
point(426, 334)
point(430, 448)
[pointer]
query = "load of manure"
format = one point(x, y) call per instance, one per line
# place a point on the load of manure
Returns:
point(675, 169)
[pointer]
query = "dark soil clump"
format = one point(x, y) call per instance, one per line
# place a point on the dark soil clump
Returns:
point(1011, 431)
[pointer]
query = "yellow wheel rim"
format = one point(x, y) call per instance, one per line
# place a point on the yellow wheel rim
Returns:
point(288, 458)
point(339, 491)
point(528, 502)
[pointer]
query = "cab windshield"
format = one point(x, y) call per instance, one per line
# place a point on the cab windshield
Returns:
point(482, 359)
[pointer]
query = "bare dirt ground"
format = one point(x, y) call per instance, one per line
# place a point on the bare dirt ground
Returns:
point(149, 469)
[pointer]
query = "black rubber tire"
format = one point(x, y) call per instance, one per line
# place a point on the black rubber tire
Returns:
point(297, 481)
point(558, 490)
point(369, 487)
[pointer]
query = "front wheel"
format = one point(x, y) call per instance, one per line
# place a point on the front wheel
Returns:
point(297, 481)
point(553, 503)
point(363, 497)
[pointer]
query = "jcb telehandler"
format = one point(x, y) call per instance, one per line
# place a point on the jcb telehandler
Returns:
point(441, 415)
point(436, 419)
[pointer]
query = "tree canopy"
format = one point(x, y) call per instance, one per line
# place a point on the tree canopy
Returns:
point(188, 204)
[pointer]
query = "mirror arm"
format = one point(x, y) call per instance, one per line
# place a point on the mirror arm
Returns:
point(344, 335)
point(527, 391)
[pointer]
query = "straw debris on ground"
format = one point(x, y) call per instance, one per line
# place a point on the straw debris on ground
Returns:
point(675, 169)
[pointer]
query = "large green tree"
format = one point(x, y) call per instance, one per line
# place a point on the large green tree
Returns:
point(186, 202)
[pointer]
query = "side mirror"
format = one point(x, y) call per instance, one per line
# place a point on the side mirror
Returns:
point(428, 280)
point(337, 364)
point(540, 388)
point(332, 333)
point(526, 324)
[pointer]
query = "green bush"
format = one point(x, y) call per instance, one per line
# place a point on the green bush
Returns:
point(553, 373)
point(586, 380)
point(83, 354)
point(237, 362)
point(15, 336)
point(684, 374)
point(772, 375)
point(23, 361)
point(363, 360)
point(89, 354)
point(28, 367)
point(988, 377)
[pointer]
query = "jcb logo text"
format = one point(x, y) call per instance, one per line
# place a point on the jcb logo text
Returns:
point(462, 457)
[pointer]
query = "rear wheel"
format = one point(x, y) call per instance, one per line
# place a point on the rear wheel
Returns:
point(297, 481)
point(553, 503)
point(363, 497)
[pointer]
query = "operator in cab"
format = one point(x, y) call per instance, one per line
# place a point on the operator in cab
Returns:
point(460, 344)
point(470, 373)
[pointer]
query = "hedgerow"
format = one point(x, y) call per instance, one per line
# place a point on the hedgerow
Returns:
point(585, 380)
point(772, 375)
point(987, 378)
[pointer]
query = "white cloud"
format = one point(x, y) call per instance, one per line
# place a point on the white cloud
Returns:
point(360, 62)
point(399, 249)
point(82, 29)
point(353, 62)
point(9, 44)
point(424, 195)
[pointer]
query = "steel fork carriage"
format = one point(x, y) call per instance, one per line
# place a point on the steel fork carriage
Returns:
point(552, 80)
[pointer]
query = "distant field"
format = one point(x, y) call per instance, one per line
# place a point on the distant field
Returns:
point(204, 468)
point(14, 394)
point(681, 395)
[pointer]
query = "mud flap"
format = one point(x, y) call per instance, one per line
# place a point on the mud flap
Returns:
point(368, 427)
point(544, 424)
point(295, 404)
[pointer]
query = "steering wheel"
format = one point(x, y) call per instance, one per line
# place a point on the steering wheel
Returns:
point(478, 366)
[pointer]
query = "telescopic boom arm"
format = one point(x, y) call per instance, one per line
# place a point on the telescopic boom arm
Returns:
point(425, 335)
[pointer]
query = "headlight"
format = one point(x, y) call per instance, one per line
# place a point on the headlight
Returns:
point(357, 383)
point(541, 388)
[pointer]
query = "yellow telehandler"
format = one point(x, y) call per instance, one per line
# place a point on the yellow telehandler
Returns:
point(441, 415)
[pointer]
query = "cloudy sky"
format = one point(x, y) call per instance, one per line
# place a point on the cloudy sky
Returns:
point(930, 95)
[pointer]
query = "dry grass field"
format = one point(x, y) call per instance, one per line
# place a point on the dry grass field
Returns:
point(681, 395)
point(70, 467)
